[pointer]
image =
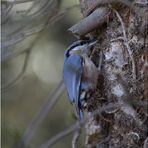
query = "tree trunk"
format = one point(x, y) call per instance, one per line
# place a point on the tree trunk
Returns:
point(122, 59)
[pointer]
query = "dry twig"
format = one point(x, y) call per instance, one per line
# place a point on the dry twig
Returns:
point(8, 52)
point(16, 1)
point(75, 138)
point(19, 76)
point(39, 117)
point(91, 22)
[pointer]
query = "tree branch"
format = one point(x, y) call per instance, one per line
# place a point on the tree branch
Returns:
point(91, 22)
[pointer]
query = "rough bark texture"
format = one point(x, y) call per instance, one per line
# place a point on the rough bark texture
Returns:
point(122, 59)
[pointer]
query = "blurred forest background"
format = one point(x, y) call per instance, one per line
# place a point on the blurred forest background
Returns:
point(32, 61)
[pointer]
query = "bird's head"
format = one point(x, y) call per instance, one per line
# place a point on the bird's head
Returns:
point(79, 47)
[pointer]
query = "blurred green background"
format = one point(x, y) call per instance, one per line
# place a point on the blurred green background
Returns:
point(43, 72)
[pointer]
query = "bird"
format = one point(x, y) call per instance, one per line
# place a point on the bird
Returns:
point(79, 73)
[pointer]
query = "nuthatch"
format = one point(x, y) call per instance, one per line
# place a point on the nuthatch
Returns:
point(79, 73)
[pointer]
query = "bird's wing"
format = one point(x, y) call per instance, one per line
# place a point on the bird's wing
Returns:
point(72, 73)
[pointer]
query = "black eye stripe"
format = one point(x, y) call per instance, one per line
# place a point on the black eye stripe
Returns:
point(75, 44)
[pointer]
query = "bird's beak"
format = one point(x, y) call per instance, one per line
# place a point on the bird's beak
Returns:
point(92, 43)
point(87, 49)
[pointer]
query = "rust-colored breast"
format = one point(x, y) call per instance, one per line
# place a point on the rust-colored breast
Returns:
point(89, 75)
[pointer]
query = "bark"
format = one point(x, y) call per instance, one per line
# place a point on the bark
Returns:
point(122, 60)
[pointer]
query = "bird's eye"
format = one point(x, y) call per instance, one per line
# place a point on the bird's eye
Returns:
point(83, 42)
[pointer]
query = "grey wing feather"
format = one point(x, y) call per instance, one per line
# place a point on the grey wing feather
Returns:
point(73, 69)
